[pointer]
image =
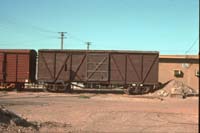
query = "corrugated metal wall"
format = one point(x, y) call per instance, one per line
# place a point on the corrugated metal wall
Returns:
point(17, 65)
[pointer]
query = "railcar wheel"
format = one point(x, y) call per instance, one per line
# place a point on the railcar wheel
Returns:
point(68, 88)
point(145, 89)
point(128, 90)
point(19, 86)
point(50, 88)
point(59, 87)
point(136, 90)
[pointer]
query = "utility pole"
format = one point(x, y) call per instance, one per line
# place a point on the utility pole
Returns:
point(62, 34)
point(88, 45)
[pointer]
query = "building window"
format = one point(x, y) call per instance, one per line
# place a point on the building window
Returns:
point(178, 73)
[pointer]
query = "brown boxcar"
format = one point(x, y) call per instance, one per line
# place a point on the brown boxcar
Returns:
point(135, 70)
point(17, 66)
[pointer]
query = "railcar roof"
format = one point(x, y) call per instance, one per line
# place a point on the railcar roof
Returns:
point(17, 50)
point(100, 51)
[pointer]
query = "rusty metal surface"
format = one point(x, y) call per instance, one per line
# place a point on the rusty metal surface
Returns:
point(150, 68)
point(53, 66)
point(23, 67)
point(59, 66)
point(45, 66)
point(81, 67)
point(18, 66)
point(112, 67)
point(78, 67)
point(134, 68)
point(97, 67)
point(117, 68)
point(11, 68)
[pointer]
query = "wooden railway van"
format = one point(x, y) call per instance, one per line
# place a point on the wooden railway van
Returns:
point(136, 71)
point(17, 67)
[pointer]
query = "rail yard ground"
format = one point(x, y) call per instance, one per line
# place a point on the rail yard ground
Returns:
point(94, 111)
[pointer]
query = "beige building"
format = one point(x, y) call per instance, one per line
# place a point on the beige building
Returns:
point(184, 68)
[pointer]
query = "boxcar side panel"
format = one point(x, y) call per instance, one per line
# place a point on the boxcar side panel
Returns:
point(62, 68)
point(54, 66)
point(78, 67)
point(23, 67)
point(150, 69)
point(18, 66)
point(97, 67)
point(117, 68)
point(46, 66)
point(134, 68)
point(11, 68)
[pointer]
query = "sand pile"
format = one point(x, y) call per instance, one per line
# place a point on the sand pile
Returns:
point(176, 88)
point(10, 122)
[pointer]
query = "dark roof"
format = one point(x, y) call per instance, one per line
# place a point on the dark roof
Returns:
point(17, 50)
point(99, 51)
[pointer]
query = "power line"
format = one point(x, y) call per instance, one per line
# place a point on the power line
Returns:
point(75, 38)
point(42, 29)
point(38, 28)
point(192, 45)
point(25, 42)
point(34, 27)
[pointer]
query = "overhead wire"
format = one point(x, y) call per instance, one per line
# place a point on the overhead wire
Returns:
point(38, 28)
point(24, 32)
point(192, 45)
point(25, 42)
point(27, 25)
point(75, 38)
point(71, 36)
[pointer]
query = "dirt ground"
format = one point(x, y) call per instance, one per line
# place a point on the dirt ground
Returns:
point(104, 112)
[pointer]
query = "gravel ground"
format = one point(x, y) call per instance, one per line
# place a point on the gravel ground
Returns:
point(91, 112)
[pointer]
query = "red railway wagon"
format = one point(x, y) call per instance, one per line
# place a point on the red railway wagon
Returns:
point(17, 67)
point(136, 71)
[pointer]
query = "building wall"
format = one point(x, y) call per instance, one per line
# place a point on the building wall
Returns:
point(167, 65)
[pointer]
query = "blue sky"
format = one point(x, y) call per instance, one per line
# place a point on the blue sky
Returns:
point(168, 26)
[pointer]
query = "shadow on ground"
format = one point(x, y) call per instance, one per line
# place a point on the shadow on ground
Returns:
point(74, 91)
